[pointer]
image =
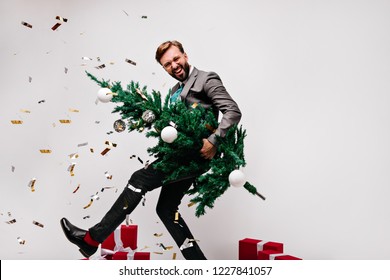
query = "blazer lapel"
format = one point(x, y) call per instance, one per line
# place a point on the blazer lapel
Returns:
point(189, 84)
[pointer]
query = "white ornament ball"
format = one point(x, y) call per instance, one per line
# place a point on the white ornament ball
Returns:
point(169, 134)
point(237, 178)
point(104, 95)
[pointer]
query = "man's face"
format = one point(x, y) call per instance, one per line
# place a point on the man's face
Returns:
point(176, 63)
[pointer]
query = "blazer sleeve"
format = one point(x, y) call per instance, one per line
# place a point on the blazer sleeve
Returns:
point(221, 100)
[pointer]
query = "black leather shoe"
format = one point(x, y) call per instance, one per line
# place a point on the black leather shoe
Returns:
point(76, 236)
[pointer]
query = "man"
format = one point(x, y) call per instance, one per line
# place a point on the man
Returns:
point(195, 86)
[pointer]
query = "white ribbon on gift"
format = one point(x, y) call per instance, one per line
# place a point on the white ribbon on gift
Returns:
point(273, 256)
point(118, 246)
point(260, 245)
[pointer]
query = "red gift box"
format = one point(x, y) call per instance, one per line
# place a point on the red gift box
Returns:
point(131, 256)
point(272, 255)
point(123, 237)
point(248, 248)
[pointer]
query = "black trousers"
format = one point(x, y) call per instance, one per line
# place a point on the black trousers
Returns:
point(142, 181)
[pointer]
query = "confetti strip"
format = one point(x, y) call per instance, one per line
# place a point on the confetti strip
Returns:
point(105, 151)
point(191, 204)
point(25, 111)
point(45, 151)
point(66, 70)
point(74, 110)
point(11, 221)
point(187, 244)
point(158, 253)
point(88, 205)
point(55, 26)
point(16, 121)
point(78, 187)
point(92, 151)
point(31, 184)
point(74, 155)
point(93, 197)
point(109, 188)
point(144, 17)
point(65, 121)
point(162, 246)
point(176, 217)
point(128, 220)
point(130, 61)
point(108, 176)
point(29, 79)
point(38, 224)
point(71, 168)
point(82, 144)
point(41, 101)
point(141, 94)
point(125, 13)
point(21, 241)
point(100, 66)
point(110, 144)
point(26, 24)
point(174, 256)
point(13, 168)
point(86, 58)
point(158, 234)
point(110, 132)
point(61, 19)
point(86, 217)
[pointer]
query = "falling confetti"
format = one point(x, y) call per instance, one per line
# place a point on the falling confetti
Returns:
point(108, 176)
point(100, 66)
point(73, 110)
point(76, 189)
point(55, 26)
point(65, 121)
point(130, 61)
point(71, 168)
point(158, 234)
point(10, 222)
point(61, 19)
point(41, 101)
point(21, 241)
point(29, 79)
point(108, 143)
point(82, 144)
point(26, 24)
point(105, 151)
point(38, 224)
point(31, 184)
point(16, 121)
point(25, 111)
point(74, 155)
point(13, 168)
point(45, 151)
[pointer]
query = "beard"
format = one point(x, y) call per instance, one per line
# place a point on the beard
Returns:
point(183, 75)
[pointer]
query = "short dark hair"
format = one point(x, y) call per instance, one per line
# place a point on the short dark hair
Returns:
point(165, 46)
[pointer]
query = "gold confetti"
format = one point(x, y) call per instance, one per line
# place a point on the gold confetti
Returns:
point(16, 121)
point(31, 184)
point(25, 111)
point(65, 121)
point(110, 144)
point(61, 19)
point(158, 234)
point(108, 176)
point(38, 224)
point(130, 61)
point(55, 26)
point(21, 241)
point(71, 168)
point(45, 151)
point(78, 187)
point(88, 205)
point(194, 105)
point(191, 204)
point(11, 222)
point(141, 94)
point(74, 110)
point(176, 217)
point(158, 253)
point(168, 248)
point(100, 66)
point(26, 24)
point(74, 155)
point(174, 256)
point(105, 151)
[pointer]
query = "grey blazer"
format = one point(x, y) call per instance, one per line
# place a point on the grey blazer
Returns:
point(206, 89)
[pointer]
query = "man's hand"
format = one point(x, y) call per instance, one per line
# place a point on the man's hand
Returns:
point(208, 150)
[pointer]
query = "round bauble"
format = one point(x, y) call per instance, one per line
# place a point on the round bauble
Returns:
point(104, 95)
point(169, 134)
point(148, 116)
point(237, 178)
point(119, 125)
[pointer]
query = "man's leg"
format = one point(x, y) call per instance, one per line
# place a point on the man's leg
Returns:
point(167, 206)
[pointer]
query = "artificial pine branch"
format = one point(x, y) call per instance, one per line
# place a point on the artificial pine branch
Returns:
point(181, 159)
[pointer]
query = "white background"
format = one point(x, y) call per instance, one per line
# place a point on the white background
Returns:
point(312, 81)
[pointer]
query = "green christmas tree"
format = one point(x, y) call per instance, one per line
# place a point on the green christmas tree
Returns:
point(181, 158)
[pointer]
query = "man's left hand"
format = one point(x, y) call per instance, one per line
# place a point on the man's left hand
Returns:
point(208, 150)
